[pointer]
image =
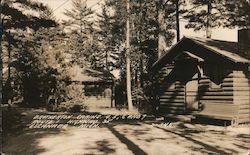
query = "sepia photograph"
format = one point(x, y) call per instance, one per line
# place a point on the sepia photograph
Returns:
point(125, 77)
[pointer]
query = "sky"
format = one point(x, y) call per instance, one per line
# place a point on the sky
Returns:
point(221, 34)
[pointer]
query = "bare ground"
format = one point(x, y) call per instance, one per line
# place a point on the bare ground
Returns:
point(129, 137)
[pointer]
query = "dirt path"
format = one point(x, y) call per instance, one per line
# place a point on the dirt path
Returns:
point(135, 137)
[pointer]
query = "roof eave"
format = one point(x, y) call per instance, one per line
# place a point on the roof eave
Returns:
point(224, 56)
point(164, 59)
point(159, 62)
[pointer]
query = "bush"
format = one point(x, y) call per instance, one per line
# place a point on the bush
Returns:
point(71, 100)
point(75, 108)
point(72, 106)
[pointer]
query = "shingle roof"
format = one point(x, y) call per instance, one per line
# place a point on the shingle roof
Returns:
point(88, 75)
point(226, 49)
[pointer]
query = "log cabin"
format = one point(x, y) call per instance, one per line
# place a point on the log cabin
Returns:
point(206, 77)
point(98, 86)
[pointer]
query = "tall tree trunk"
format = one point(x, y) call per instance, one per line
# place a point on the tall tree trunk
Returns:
point(161, 22)
point(177, 20)
point(128, 72)
point(106, 59)
point(8, 83)
point(9, 51)
point(1, 63)
point(208, 24)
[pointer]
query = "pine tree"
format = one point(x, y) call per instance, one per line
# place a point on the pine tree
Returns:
point(143, 38)
point(18, 28)
point(237, 14)
point(80, 31)
point(205, 15)
point(108, 54)
point(79, 18)
point(14, 16)
point(208, 14)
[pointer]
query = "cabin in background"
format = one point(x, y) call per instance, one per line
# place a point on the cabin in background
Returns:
point(98, 86)
point(206, 77)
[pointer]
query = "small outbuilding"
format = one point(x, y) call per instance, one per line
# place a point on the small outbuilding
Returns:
point(206, 77)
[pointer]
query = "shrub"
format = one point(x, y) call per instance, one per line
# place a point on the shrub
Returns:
point(72, 99)
point(75, 108)
point(72, 106)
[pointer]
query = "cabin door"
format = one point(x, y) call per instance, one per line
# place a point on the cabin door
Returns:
point(192, 95)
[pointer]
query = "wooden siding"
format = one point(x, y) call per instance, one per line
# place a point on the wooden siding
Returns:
point(224, 94)
point(241, 87)
point(171, 95)
point(234, 89)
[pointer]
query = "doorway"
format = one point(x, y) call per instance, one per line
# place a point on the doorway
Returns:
point(191, 94)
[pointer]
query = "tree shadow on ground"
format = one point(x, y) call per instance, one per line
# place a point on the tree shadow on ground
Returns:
point(27, 143)
point(134, 134)
point(192, 135)
point(244, 137)
point(103, 146)
point(198, 138)
point(18, 138)
point(188, 136)
point(130, 144)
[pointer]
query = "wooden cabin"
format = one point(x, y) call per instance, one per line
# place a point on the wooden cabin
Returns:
point(98, 86)
point(205, 77)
